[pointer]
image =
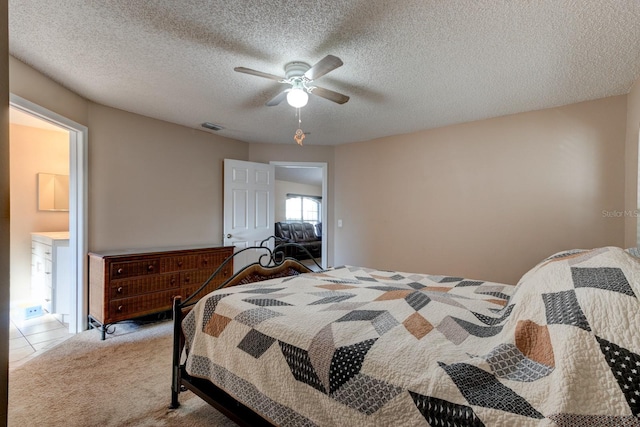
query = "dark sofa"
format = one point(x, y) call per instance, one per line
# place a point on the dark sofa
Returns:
point(302, 233)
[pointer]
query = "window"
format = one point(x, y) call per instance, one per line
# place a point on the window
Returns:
point(303, 208)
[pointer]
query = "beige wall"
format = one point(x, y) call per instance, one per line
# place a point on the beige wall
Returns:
point(487, 199)
point(285, 187)
point(4, 211)
point(631, 166)
point(32, 151)
point(153, 183)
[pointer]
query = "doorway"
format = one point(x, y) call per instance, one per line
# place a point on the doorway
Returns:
point(77, 209)
point(244, 217)
point(312, 175)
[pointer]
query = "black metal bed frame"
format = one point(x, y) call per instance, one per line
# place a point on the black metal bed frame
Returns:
point(268, 264)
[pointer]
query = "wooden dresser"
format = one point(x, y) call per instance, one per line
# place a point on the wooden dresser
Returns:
point(128, 284)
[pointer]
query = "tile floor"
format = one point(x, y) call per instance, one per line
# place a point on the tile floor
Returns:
point(29, 338)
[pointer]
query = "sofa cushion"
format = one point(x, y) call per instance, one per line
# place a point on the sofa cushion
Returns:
point(283, 231)
point(297, 232)
point(309, 232)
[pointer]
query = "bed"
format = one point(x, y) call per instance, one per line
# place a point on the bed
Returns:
point(358, 346)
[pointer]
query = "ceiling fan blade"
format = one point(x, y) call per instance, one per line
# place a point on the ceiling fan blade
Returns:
point(326, 64)
point(277, 99)
point(258, 73)
point(330, 95)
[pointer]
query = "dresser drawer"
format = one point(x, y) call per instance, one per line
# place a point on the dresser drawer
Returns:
point(144, 285)
point(41, 250)
point(48, 272)
point(126, 308)
point(214, 259)
point(120, 270)
point(198, 277)
point(178, 262)
point(191, 281)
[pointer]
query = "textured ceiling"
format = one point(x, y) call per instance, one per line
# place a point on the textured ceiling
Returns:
point(408, 65)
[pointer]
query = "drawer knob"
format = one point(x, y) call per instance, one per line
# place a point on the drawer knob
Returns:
point(120, 307)
point(120, 270)
point(187, 279)
point(179, 263)
point(173, 281)
point(150, 267)
point(119, 290)
point(205, 261)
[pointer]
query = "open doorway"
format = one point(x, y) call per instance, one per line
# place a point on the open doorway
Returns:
point(76, 137)
point(301, 189)
point(40, 296)
point(250, 206)
point(39, 160)
point(307, 178)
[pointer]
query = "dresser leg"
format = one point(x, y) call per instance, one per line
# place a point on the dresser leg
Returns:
point(103, 328)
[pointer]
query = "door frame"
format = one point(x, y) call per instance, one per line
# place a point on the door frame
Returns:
point(78, 201)
point(325, 201)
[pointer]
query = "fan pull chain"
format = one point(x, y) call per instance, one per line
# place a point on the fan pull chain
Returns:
point(299, 136)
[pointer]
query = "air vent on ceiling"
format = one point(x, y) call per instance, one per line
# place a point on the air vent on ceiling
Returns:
point(212, 126)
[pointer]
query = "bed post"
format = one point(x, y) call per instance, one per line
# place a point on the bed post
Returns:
point(177, 350)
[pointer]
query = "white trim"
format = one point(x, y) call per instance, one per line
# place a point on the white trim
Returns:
point(325, 199)
point(78, 178)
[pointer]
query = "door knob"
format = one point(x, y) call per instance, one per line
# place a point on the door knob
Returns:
point(228, 236)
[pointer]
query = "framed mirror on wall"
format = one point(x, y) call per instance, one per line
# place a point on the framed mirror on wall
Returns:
point(53, 192)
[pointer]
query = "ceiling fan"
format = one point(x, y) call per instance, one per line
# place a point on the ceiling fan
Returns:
point(300, 75)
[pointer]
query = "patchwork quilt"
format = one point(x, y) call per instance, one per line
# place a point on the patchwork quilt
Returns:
point(356, 346)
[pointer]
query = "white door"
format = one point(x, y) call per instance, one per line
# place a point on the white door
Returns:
point(248, 207)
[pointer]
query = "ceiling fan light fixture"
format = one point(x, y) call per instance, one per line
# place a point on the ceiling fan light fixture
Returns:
point(297, 97)
point(300, 75)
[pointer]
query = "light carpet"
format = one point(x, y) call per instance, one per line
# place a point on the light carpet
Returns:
point(124, 380)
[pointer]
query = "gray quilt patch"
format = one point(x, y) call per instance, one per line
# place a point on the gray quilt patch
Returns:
point(255, 316)
point(494, 320)
point(611, 279)
point(507, 361)
point(417, 300)
point(255, 343)
point(562, 308)
point(366, 394)
point(384, 323)
point(478, 330)
point(481, 388)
